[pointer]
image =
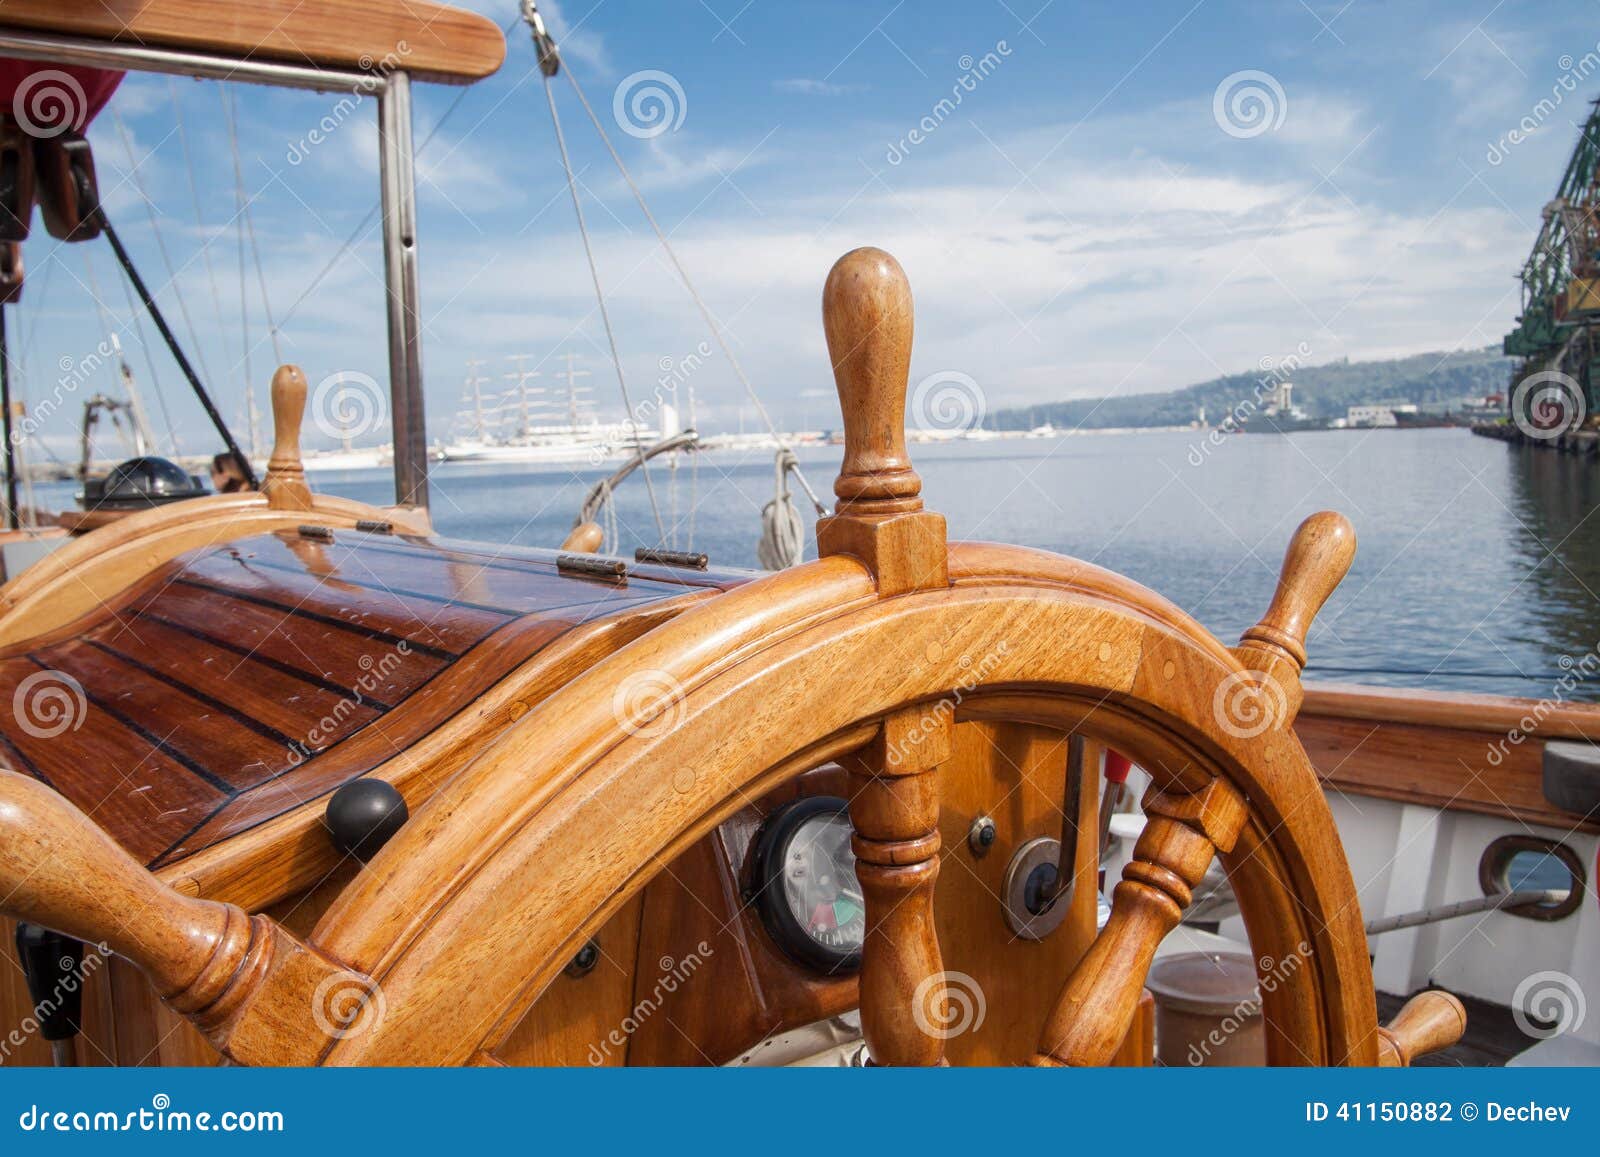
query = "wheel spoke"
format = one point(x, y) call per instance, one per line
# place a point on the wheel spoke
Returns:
point(1096, 1006)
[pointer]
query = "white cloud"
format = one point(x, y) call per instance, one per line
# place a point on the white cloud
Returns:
point(806, 86)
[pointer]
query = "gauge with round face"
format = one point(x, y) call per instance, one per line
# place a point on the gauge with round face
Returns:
point(803, 874)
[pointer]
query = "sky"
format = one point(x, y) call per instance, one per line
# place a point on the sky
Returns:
point(1088, 199)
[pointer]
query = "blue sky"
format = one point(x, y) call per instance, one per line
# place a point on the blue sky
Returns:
point(1091, 218)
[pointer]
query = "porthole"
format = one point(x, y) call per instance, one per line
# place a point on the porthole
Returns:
point(1529, 863)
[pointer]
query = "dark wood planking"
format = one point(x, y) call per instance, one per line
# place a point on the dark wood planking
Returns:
point(266, 693)
point(112, 774)
point(365, 748)
point(1492, 1037)
point(216, 741)
point(396, 730)
point(361, 665)
point(246, 680)
point(386, 747)
point(363, 606)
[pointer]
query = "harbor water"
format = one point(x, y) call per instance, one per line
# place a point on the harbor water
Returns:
point(1477, 570)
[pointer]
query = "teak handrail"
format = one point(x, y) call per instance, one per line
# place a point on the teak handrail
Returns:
point(430, 41)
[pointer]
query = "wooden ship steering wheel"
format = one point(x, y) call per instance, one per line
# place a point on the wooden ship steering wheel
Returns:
point(871, 656)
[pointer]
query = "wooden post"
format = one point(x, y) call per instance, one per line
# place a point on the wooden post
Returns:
point(285, 484)
point(867, 316)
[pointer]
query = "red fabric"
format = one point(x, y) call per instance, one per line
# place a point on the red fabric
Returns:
point(54, 96)
point(1117, 766)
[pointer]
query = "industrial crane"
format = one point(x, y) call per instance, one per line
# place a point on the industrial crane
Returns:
point(1556, 335)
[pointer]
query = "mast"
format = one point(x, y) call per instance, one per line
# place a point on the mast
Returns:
point(521, 376)
point(571, 376)
point(475, 382)
point(142, 440)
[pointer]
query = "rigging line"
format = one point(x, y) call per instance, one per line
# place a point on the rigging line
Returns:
point(199, 217)
point(250, 228)
point(244, 304)
point(161, 244)
point(366, 222)
point(600, 298)
point(683, 275)
point(150, 365)
point(111, 327)
point(172, 344)
point(50, 262)
point(13, 515)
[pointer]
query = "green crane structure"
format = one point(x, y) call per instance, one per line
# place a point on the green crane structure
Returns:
point(1557, 336)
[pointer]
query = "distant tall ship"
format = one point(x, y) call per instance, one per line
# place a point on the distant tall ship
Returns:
point(521, 422)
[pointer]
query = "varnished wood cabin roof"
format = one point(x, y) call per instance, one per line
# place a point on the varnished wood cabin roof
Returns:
point(240, 681)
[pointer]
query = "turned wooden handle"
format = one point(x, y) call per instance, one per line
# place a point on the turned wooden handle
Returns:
point(1318, 558)
point(866, 314)
point(285, 484)
point(584, 538)
point(1098, 1003)
point(1430, 1021)
point(59, 870)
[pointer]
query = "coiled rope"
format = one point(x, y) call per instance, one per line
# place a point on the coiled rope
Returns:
point(783, 533)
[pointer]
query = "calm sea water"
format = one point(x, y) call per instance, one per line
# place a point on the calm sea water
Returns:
point(1478, 568)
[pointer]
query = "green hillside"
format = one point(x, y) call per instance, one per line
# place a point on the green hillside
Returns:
point(1323, 391)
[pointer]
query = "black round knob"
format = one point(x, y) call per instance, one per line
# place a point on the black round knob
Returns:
point(583, 963)
point(363, 815)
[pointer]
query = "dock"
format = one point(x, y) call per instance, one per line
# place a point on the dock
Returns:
point(1582, 443)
